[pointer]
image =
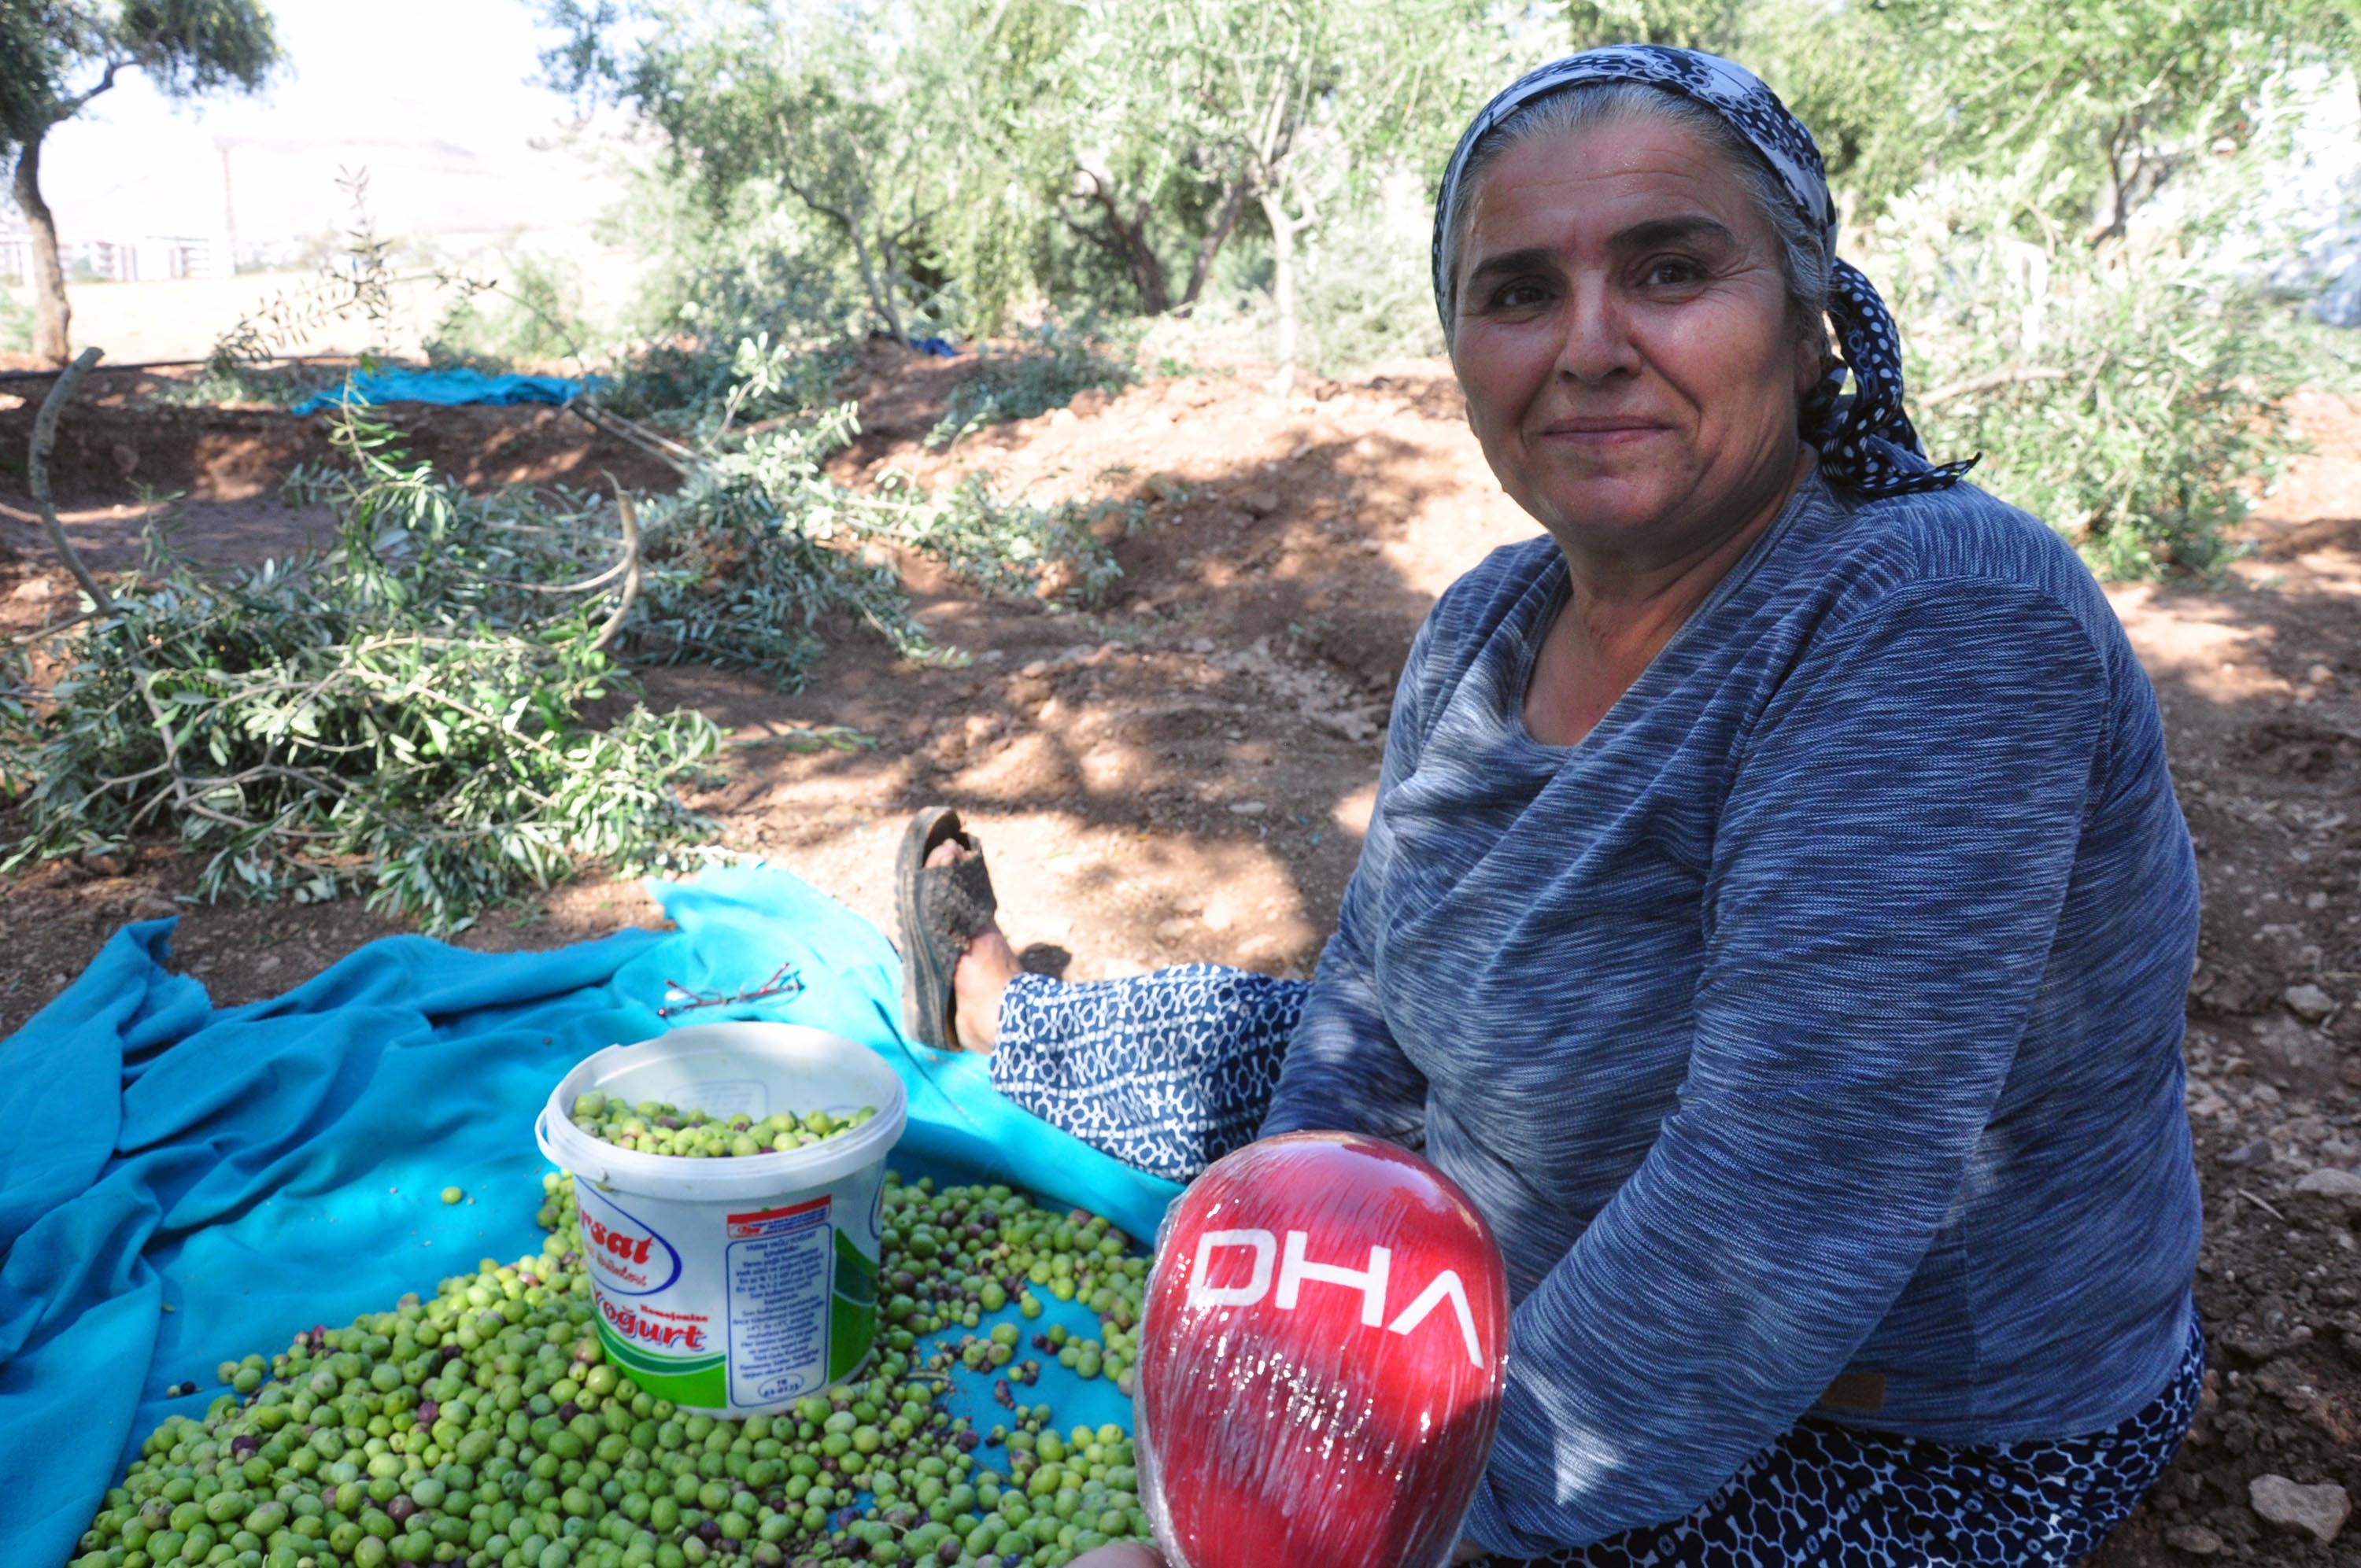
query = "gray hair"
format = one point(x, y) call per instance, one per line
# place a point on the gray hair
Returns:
point(1803, 249)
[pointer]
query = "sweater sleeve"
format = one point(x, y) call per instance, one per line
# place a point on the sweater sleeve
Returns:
point(1344, 1071)
point(1887, 880)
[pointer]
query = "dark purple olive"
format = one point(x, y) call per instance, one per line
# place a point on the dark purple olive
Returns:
point(427, 1411)
point(242, 1447)
point(949, 1551)
point(451, 1353)
point(401, 1509)
point(569, 1411)
point(967, 1442)
point(708, 1532)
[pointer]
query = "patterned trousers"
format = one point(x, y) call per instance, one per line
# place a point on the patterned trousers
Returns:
point(1165, 1071)
point(1169, 1071)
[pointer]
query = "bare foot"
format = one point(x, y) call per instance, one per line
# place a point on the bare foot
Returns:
point(982, 972)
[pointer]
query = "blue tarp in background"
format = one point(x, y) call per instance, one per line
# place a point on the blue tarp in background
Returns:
point(261, 1169)
point(446, 387)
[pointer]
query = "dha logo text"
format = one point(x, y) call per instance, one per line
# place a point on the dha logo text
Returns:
point(1294, 1271)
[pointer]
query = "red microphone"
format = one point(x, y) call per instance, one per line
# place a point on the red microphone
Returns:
point(1320, 1360)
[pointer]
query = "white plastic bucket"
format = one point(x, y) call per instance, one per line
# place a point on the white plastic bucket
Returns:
point(734, 1286)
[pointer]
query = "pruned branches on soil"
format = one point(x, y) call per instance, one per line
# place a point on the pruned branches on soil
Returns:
point(434, 711)
point(387, 717)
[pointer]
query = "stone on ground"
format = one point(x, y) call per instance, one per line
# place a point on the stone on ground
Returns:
point(2308, 1002)
point(2194, 1539)
point(2320, 1511)
point(2329, 1182)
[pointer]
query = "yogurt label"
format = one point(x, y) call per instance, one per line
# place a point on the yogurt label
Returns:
point(781, 1287)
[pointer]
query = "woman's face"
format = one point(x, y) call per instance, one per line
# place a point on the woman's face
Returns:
point(1632, 364)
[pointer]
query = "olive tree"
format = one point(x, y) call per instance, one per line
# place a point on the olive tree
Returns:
point(63, 54)
point(830, 107)
point(1297, 97)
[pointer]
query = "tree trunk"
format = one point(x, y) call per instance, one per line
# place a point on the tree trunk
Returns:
point(881, 292)
point(1234, 202)
point(1147, 268)
point(1128, 243)
point(1282, 283)
point(2118, 190)
point(51, 313)
point(882, 285)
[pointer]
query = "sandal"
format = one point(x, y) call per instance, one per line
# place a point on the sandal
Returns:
point(939, 908)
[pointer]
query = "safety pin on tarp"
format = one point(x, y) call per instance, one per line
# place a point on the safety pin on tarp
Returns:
point(679, 999)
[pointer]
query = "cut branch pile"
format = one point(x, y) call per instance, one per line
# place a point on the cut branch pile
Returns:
point(408, 713)
point(387, 717)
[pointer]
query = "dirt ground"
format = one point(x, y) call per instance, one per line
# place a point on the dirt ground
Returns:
point(1186, 773)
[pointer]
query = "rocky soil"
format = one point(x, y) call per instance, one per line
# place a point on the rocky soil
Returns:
point(1184, 772)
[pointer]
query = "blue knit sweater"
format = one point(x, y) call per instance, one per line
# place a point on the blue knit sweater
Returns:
point(1818, 1014)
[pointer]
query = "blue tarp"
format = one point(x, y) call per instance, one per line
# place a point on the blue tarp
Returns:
point(183, 1184)
point(445, 386)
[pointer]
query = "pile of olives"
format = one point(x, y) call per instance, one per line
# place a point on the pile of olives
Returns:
point(483, 1426)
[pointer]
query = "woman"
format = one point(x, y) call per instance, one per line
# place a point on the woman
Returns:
point(1775, 914)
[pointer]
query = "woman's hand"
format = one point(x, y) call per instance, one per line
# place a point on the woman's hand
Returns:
point(1121, 1554)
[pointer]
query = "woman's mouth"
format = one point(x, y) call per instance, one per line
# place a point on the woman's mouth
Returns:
point(1599, 425)
point(1600, 433)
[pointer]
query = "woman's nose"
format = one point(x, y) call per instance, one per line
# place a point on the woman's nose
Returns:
point(1597, 343)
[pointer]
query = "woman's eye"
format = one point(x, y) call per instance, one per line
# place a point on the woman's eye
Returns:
point(1672, 272)
point(1519, 296)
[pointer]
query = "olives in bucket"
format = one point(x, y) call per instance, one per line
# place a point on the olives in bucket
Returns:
point(653, 1126)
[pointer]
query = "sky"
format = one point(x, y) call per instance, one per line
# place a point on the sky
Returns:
point(435, 97)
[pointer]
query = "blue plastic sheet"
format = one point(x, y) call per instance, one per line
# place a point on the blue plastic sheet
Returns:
point(183, 1184)
point(445, 386)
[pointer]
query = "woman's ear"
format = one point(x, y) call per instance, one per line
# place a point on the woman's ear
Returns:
point(1815, 357)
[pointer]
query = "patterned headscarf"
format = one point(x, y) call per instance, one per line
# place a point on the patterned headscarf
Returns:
point(1866, 442)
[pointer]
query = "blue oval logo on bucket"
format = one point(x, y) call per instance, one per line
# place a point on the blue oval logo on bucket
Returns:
point(631, 1257)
